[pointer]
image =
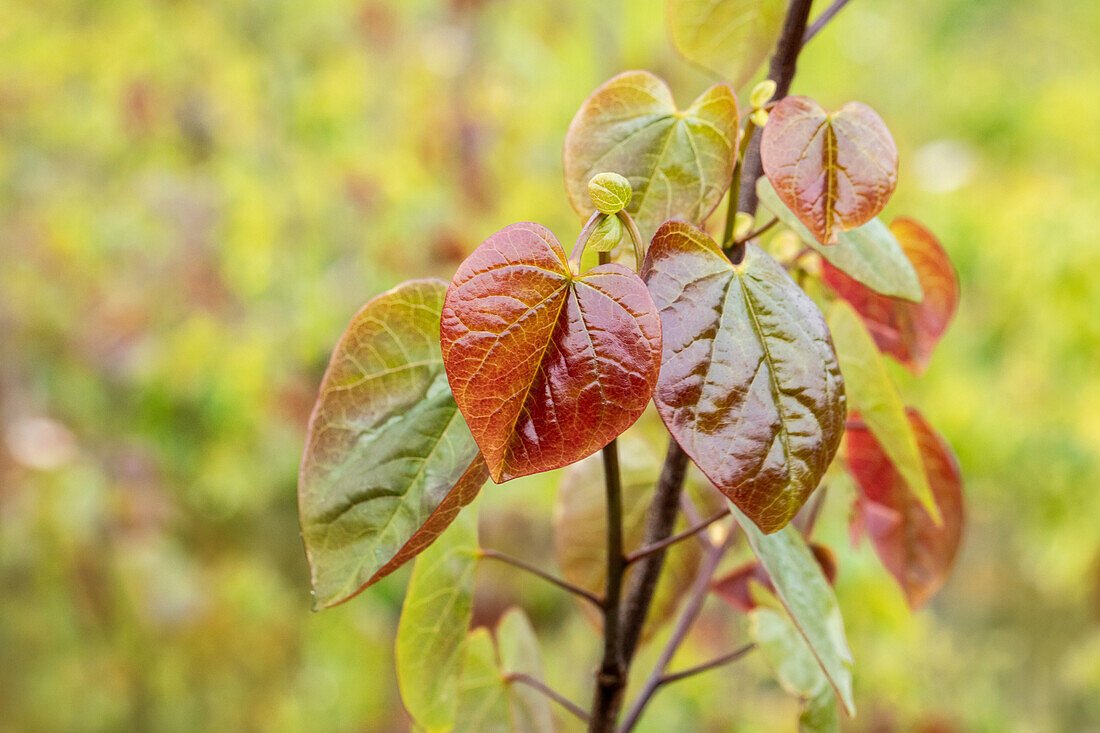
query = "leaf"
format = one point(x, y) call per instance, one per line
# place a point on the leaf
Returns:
point(547, 367)
point(678, 163)
point(735, 587)
point(488, 701)
point(907, 331)
point(388, 461)
point(432, 632)
point(835, 170)
point(809, 600)
point(729, 37)
point(580, 532)
point(872, 393)
point(749, 385)
point(870, 253)
point(917, 552)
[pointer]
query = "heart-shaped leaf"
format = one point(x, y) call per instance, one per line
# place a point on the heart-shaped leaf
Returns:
point(870, 253)
point(749, 386)
point(872, 393)
point(916, 551)
point(491, 702)
point(729, 37)
point(580, 532)
point(679, 163)
point(835, 170)
point(906, 331)
point(389, 461)
point(808, 598)
point(547, 367)
point(431, 634)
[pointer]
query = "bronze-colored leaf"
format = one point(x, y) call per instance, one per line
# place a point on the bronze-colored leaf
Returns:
point(835, 170)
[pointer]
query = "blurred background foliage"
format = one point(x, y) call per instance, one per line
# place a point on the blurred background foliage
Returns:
point(196, 196)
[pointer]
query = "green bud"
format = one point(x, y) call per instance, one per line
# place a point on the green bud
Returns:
point(762, 93)
point(742, 224)
point(610, 192)
point(607, 234)
point(759, 117)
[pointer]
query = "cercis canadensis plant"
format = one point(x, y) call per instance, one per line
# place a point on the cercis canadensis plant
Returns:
point(762, 349)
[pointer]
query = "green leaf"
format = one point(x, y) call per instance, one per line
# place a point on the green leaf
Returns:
point(835, 170)
point(819, 714)
point(434, 618)
point(580, 532)
point(749, 384)
point(389, 460)
point(872, 393)
point(679, 163)
point(488, 701)
point(729, 37)
point(808, 598)
point(547, 366)
point(869, 253)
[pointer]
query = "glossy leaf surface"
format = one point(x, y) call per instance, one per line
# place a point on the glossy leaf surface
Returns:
point(431, 635)
point(870, 253)
point(679, 163)
point(729, 37)
point(580, 533)
point(488, 701)
point(872, 393)
point(389, 461)
point(907, 331)
point(916, 551)
point(749, 386)
point(835, 170)
point(808, 598)
point(547, 367)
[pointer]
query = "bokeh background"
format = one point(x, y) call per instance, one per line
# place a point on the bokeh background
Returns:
point(196, 196)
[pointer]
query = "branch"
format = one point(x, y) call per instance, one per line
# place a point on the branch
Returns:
point(706, 666)
point(823, 19)
point(554, 695)
point(754, 234)
point(669, 541)
point(699, 590)
point(563, 584)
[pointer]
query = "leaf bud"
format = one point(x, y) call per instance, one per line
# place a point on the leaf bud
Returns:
point(742, 224)
point(759, 117)
point(762, 93)
point(610, 192)
point(607, 234)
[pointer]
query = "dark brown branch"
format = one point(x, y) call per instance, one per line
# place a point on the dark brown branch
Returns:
point(706, 666)
point(822, 20)
point(563, 584)
point(669, 541)
point(551, 693)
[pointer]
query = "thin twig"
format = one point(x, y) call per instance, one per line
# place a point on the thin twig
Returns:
point(706, 666)
point(551, 693)
point(563, 584)
point(753, 235)
point(813, 513)
point(823, 19)
point(690, 531)
point(699, 590)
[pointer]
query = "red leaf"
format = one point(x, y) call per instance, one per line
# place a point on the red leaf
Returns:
point(835, 170)
point(906, 331)
point(733, 588)
point(546, 366)
point(913, 549)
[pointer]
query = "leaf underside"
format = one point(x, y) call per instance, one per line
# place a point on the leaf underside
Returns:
point(679, 163)
point(914, 549)
point(906, 331)
point(546, 367)
point(389, 460)
point(808, 599)
point(729, 37)
point(749, 385)
point(834, 171)
point(870, 253)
